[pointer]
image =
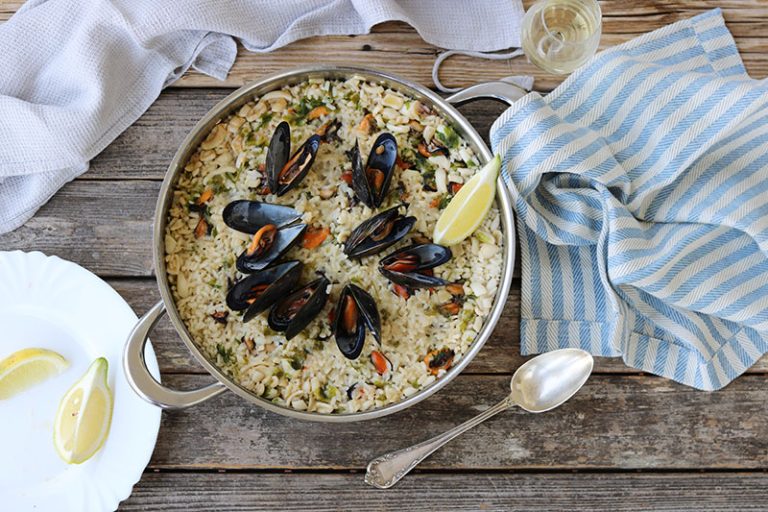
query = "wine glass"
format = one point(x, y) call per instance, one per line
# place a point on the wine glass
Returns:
point(560, 35)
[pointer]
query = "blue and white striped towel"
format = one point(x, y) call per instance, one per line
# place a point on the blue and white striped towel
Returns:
point(641, 192)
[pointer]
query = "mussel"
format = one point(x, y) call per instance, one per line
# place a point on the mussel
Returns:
point(292, 314)
point(284, 172)
point(267, 245)
point(250, 216)
point(356, 312)
point(377, 233)
point(275, 229)
point(412, 266)
point(371, 181)
point(260, 290)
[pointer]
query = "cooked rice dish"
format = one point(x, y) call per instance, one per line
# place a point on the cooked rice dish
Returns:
point(423, 330)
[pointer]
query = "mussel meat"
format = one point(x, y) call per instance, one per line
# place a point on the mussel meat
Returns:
point(377, 233)
point(267, 245)
point(284, 173)
point(412, 266)
point(293, 313)
point(329, 131)
point(250, 216)
point(262, 289)
point(371, 181)
point(356, 313)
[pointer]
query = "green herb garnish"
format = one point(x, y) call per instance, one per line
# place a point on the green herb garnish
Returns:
point(225, 354)
point(448, 136)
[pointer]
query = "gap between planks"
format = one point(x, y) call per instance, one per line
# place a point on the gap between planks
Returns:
point(620, 421)
point(617, 492)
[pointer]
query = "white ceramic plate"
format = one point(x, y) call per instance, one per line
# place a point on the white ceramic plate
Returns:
point(51, 303)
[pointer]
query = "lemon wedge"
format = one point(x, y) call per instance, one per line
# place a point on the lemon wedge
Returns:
point(28, 367)
point(84, 416)
point(469, 206)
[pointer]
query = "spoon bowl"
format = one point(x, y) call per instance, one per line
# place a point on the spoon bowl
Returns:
point(548, 380)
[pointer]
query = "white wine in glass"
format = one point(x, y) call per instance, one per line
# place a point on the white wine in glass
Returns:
point(561, 35)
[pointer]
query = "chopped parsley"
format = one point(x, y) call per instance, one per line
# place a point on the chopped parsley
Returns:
point(448, 136)
point(297, 361)
point(264, 119)
point(304, 107)
point(225, 353)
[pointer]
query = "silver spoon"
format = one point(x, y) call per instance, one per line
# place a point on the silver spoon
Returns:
point(541, 384)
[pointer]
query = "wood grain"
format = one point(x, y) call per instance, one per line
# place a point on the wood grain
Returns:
point(621, 21)
point(489, 492)
point(501, 354)
point(619, 422)
point(103, 226)
point(395, 56)
point(397, 48)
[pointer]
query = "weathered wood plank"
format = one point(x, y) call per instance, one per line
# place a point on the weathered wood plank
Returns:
point(501, 354)
point(621, 22)
point(146, 148)
point(401, 55)
point(709, 492)
point(625, 422)
point(397, 48)
point(103, 226)
point(8, 7)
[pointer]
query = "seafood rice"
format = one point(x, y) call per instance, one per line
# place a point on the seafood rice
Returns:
point(423, 329)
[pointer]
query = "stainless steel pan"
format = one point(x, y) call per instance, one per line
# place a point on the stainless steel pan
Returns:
point(135, 368)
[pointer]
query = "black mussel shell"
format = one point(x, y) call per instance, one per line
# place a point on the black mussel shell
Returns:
point(250, 287)
point(359, 183)
point(377, 233)
point(413, 279)
point(286, 238)
point(381, 162)
point(250, 216)
point(263, 288)
point(365, 316)
point(277, 154)
point(293, 313)
point(297, 167)
point(407, 266)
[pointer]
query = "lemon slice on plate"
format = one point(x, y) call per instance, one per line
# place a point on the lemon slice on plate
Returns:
point(469, 206)
point(84, 416)
point(28, 367)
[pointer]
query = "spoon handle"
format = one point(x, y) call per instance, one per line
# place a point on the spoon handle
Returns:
point(385, 471)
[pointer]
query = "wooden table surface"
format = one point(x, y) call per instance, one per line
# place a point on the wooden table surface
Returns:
point(627, 441)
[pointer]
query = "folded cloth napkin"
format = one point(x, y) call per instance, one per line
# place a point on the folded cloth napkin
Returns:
point(641, 192)
point(75, 74)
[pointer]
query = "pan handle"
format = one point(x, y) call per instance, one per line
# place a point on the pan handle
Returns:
point(505, 92)
point(143, 383)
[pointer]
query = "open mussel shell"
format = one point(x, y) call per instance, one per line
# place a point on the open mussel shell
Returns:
point(378, 233)
point(285, 238)
point(250, 216)
point(293, 313)
point(356, 312)
point(295, 168)
point(371, 181)
point(278, 153)
point(260, 290)
point(410, 265)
